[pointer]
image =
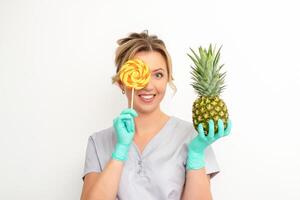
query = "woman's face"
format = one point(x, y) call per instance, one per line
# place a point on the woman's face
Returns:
point(148, 99)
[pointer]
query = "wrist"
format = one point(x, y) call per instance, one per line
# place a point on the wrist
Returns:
point(195, 160)
point(121, 152)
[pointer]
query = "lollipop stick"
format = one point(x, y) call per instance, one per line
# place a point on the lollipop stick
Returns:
point(132, 92)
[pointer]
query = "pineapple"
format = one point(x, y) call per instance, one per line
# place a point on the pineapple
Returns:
point(208, 83)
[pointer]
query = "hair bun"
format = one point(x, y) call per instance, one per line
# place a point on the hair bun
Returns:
point(132, 36)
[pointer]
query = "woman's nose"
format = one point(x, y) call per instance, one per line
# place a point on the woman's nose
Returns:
point(149, 85)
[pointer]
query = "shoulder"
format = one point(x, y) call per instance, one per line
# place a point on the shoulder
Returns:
point(184, 127)
point(100, 146)
point(104, 137)
point(182, 122)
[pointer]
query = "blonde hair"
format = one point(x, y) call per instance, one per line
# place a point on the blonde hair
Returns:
point(136, 42)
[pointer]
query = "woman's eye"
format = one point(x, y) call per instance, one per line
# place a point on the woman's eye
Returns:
point(159, 74)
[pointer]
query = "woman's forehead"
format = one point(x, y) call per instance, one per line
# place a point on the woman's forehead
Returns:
point(153, 59)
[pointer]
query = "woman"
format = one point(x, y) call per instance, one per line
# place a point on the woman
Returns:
point(148, 154)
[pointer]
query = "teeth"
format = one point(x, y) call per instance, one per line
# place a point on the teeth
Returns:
point(147, 96)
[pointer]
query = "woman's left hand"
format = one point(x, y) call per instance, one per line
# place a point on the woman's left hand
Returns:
point(197, 146)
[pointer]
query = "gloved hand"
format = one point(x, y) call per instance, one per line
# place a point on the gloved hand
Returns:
point(197, 146)
point(125, 129)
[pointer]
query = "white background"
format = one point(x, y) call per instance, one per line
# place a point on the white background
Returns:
point(56, 63)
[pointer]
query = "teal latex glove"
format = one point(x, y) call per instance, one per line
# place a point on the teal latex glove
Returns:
point(125, 129)
point(197, 146)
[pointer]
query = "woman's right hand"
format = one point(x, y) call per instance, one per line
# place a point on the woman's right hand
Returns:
point(195, 158)
point(125, 129)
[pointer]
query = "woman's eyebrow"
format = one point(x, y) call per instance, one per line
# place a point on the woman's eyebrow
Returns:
point(157, 69)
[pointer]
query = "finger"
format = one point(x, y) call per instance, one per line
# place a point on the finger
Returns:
point(126, 120)
point(211, 128)
point(130, 111)
point(125, 116)
point(201, 131)
point(220, 128)
point(228, 129)
point(118, 123)
point(130, 125)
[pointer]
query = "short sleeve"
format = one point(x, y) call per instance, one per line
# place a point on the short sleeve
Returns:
point(211, 165)
point(92, 163)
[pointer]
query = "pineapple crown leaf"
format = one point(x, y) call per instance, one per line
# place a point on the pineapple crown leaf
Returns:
point(217, 56)
point(206, 76)
point(196, 56)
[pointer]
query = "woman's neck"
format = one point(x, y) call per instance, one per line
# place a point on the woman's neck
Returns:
point(148, 122)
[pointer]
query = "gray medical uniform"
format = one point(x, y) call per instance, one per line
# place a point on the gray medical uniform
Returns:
point(159, 172)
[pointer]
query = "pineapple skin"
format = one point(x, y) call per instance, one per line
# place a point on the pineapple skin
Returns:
point(206, 108)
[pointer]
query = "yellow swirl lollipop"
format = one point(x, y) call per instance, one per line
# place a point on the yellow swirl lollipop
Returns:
point(135, 74)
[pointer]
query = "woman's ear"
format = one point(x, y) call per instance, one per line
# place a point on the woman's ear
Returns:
point(120, 85)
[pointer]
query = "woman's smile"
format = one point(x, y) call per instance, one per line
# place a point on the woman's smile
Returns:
point(149, 98)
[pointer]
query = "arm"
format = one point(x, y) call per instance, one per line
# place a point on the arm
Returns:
point(197, 185)
point(104, 185)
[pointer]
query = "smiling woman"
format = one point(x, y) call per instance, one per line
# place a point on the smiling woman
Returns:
point(145, 153)
point(142, 42)
point(149, 97)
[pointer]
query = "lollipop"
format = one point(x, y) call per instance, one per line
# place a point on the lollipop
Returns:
point(135, 74)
